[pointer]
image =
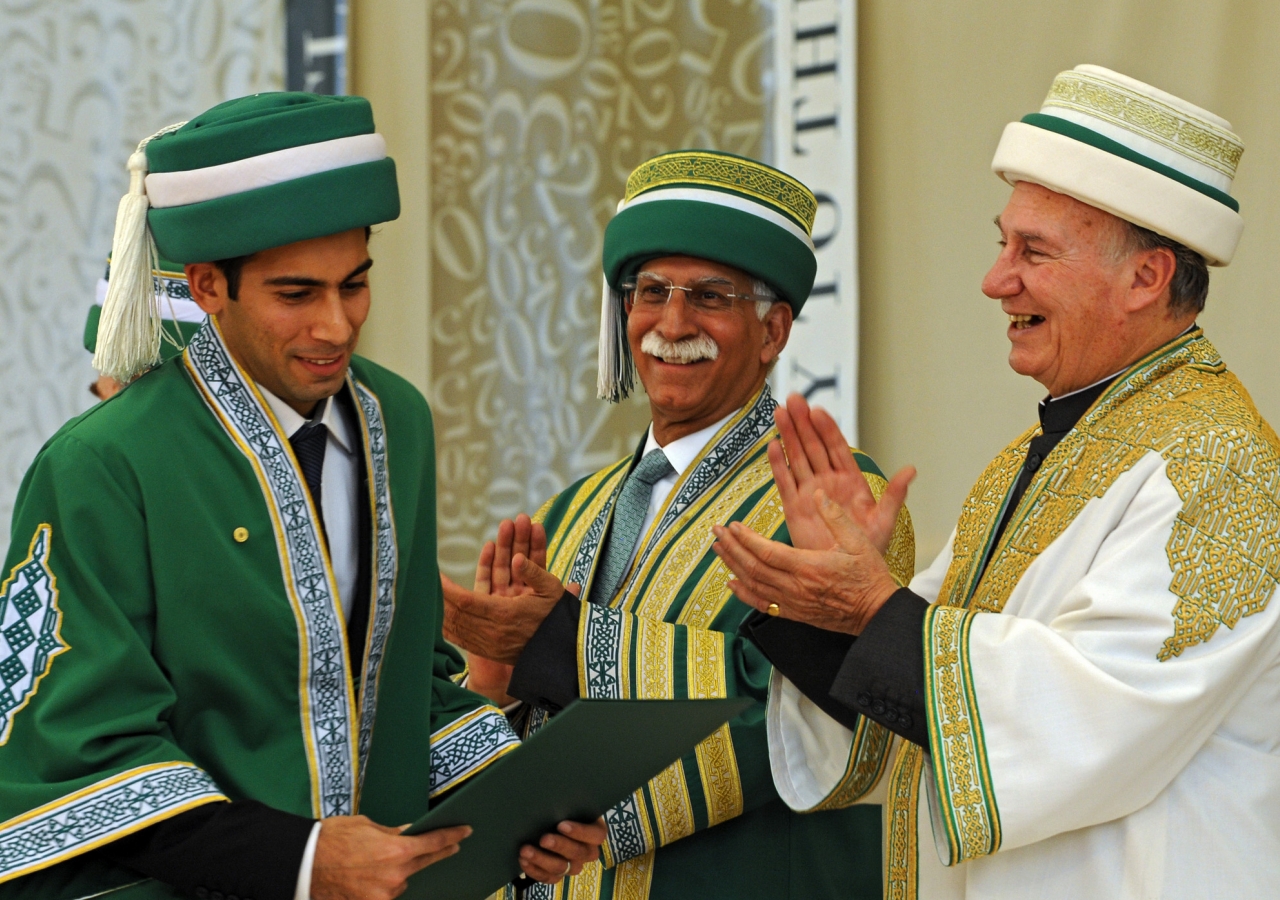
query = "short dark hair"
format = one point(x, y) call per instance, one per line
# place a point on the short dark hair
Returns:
point(232, 268)
point(1190, 285)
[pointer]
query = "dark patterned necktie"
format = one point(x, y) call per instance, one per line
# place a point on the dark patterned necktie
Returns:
point(309, 443)
point(628, 516)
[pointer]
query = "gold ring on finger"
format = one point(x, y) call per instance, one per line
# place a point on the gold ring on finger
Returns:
point(773, 609)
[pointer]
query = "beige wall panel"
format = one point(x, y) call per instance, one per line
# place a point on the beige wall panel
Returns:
point(389, 66)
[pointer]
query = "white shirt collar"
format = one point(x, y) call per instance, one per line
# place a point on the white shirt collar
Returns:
point(683, 451)
point(326, 413)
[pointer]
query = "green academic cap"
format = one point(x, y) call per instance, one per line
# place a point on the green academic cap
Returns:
point(247, 175)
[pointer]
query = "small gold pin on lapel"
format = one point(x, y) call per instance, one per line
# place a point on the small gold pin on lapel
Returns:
point(241, 534)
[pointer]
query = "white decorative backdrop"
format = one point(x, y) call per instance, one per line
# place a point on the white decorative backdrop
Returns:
point(539, 110)
point(81, 82)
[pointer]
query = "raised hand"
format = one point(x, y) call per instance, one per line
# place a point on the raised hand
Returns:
point(495, 576)
point(813, 455)
point(497, 627)
point(838, 589)
point(518, 537)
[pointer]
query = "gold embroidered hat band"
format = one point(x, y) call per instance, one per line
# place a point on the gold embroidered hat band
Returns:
point(1135, 151)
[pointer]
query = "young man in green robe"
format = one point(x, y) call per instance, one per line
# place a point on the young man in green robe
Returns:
point(220, 636)
point(707, 262)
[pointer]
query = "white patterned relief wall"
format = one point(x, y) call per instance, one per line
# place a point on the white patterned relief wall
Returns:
point(81, 82)
point(539, 111)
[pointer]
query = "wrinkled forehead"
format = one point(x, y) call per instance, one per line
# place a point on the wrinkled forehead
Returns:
point(1055, 217)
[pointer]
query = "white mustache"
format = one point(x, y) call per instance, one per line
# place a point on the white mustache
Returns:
point(689, 350)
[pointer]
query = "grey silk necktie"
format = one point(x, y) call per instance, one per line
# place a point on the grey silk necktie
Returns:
point(628, 516)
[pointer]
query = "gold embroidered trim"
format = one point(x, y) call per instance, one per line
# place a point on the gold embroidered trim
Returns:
point(586, 884)
point(967, 801)
point(633, 878)
point(1166, 125)
point(717, 760)
point(868, 758)
point(655, 650)
point(902, 825)
point(979, 516)
point(686, 544)
point(655, 644)
point(732, 173)
point(563, 549)
point(1222, 459)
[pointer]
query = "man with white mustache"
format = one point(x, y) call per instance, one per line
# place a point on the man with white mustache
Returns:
point(707, 262)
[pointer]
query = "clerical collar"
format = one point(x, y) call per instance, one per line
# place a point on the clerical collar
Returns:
point(1058, 415)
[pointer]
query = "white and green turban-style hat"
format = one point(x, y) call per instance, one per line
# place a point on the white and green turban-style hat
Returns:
point(711, 205)
point(1135, 151)
point(247, 175)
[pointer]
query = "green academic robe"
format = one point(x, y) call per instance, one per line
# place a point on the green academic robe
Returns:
point(171, 633)
point(711, 825)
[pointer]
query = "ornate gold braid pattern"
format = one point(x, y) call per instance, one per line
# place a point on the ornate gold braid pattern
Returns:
point(1223, 460)
point(902, 824)
point(633, 878)
point(967, 801)
point(978, 519)
point(741, 176)
point(868, 756)
point(1156, 121)
point(655, 646)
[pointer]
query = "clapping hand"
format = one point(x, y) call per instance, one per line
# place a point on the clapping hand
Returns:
point(813, 455)
point(495, 576)
point(514, 592)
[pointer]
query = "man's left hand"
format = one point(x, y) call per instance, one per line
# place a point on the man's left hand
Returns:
point(497, 627)
point(837, 590)
point(558, 856)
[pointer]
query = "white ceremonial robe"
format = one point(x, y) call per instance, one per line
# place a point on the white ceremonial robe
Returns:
point(1111, 728)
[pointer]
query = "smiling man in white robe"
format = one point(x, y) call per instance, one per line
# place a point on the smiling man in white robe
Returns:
point(1085, 682)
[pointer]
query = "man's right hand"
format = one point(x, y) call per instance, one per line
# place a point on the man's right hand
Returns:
point(357, 859)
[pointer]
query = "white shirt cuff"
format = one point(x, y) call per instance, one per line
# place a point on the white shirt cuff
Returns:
point(303, 890)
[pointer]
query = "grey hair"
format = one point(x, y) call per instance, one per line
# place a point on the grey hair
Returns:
point(765, 298)
point(1189, 287)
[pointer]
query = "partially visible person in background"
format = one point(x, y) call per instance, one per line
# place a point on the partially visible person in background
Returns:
point(180, 318)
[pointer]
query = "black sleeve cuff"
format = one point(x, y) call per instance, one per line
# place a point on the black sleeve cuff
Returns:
point(810, 657)
point(546, 674)
point(882, 676)
point(240, 849)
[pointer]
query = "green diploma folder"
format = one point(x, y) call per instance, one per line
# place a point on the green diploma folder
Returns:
point(581, 763)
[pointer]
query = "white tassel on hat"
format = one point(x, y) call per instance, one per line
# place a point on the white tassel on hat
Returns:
point(616, 372)
point(129, 330)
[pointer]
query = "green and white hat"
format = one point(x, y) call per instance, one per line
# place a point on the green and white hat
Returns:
point(710, 205)
point(247, 175)
point(180, 316)
point(1135, 151)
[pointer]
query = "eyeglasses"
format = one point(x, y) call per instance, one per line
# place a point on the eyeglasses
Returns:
point(708, 295)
